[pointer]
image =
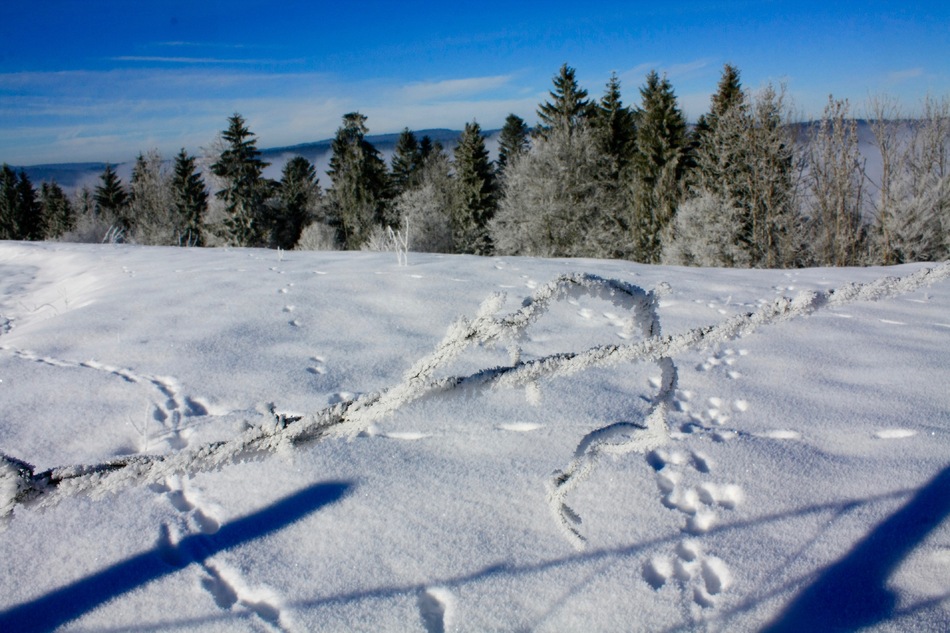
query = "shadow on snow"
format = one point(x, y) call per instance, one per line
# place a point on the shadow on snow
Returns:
point(72, 601)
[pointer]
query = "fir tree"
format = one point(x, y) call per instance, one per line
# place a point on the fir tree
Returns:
point(30, 218)
point(406, 162)
point(150, 201)
point(9, 228)
point(245, 190)
point(298, 194)
point(569, 105)
point(658, 166)
point(513, 141)
point(189, 200)
point(359, 196)
point(112, 200)
point(616, 125)
point(475, 200)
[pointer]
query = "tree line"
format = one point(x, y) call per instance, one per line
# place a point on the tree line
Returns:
point(744, 187)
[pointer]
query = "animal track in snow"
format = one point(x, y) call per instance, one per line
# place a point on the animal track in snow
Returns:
point(436, 609)
point(705, 577)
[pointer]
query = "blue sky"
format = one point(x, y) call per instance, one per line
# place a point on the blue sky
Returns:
point(101, 80)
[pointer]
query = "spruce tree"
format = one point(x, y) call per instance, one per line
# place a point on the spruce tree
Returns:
point(475, 200)
point(57, 209)
point(568, 107)
point(658, 166)
point(512, 142)
point(150, 201)
point(30, 219)
point(9, 228)
point(112, 200)
point(245, 191)
point(406, 162)
point(189, 201)
point(616, 125)
point(359, 197)
point(298, 194)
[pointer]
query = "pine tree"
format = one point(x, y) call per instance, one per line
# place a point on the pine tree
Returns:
point(616, 125)
point(112, 200)
point(426, 208)
point(658, 166)
point(59, 213)
point(189, 201)
point(475, 200)
point(569, 105)
point(512, 142)
point(246, 191)
point(359, 197)
point(298, 193)
point(406, 162)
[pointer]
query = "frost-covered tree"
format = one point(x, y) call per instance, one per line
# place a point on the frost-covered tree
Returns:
point(512, 142)
point(406, 162)
point(836, 191)
point(245, 191)
point(912, 209)
point(475, 200)
point(112, 200)
point(560, 201)
point(359, 197)
point(707, 229)
point(655, 185)
point(150, 201)
point(568, 107)
point(425, 208)
point(298, 196)
point(189, 199)
point(59, 213)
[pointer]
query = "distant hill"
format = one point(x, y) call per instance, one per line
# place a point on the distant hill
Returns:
point(72, 176)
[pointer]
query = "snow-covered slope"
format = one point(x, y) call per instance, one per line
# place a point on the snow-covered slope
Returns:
point(794, 474)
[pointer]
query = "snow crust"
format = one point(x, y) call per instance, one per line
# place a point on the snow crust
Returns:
point(238, 439)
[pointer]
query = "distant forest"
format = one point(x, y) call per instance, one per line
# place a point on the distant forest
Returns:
point(743, 187)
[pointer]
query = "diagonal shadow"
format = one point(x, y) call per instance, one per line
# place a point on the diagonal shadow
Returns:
point(72, 601)
point(852, 594)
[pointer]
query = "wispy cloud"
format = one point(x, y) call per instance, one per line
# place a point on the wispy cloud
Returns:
point(899, 76)
point(453, 88)
point(202, 60)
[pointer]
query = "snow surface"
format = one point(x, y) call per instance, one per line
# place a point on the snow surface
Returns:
point(317, 442)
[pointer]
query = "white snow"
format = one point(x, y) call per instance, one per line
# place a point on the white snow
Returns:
point(238, 439)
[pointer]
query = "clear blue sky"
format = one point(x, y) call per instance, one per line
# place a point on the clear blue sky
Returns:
point(101, 80)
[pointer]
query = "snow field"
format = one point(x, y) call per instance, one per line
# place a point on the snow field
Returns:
point(775, 453)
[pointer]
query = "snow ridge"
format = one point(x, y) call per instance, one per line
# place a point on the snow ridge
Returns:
point(19, 483)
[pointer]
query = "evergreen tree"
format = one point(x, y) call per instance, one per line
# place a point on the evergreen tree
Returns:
point(61, 218)
point(569, 105)
point(406, 162)
point(616, 125)
point(359, 196)
point(189, 201)
point(298, 194)
point(513, 141)
point(112, 200)
point(475, 200)
point(30, 218)
point(9, 227)
point(658, 166)
point(245, 191)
